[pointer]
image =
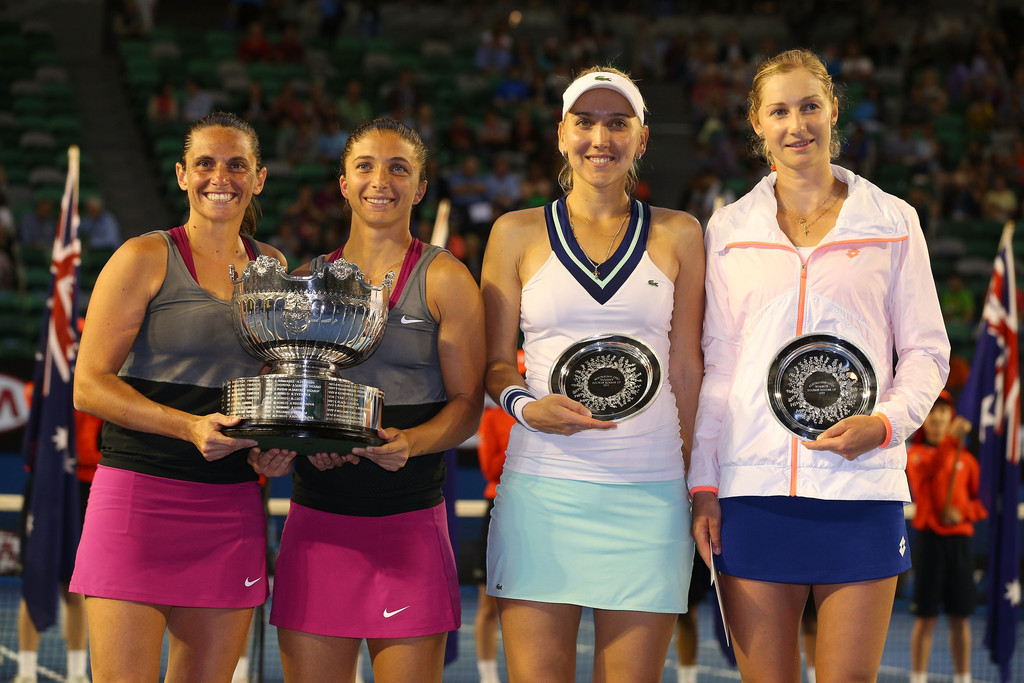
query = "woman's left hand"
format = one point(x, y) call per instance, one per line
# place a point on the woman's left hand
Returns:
point(850, 437)
point(391, 455)
point(272, 463)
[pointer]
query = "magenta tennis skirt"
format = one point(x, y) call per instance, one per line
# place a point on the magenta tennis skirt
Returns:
point(366, 577)
point(171, 542)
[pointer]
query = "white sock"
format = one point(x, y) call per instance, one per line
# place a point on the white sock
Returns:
point(918, 677)
point(76, 663)
point(962, 678)
point(27, 660)
point(488, 670)
point(241, 669)
point(359, 666)
point(686, 674)
point(812, 677)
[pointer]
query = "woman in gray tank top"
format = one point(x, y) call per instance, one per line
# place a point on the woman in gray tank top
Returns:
point(365, 552)
point(175, 534)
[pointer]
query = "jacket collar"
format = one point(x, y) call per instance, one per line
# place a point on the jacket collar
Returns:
point(868, 213)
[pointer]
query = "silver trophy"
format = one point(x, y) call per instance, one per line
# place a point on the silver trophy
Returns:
point(816, 380)
point(307, 328)
point(616, 376)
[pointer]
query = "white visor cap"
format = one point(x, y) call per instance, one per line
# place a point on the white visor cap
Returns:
point(604, 79)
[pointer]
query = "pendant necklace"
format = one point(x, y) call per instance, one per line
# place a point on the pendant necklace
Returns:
point(608, 251)
point(824, 207)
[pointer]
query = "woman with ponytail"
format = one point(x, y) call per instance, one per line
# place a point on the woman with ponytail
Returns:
point(175, 534)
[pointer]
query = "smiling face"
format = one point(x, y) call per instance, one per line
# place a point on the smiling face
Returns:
point(795, 119)
point(382, 179)
point(601, 137)
point(220, 175)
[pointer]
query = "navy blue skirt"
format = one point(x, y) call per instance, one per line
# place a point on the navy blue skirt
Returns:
point(786, 539)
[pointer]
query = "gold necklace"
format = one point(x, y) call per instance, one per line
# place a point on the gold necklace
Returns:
point(805, 223)
point(607, 251)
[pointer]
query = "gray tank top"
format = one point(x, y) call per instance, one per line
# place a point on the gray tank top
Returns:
point(187, 336)
point(405, 366)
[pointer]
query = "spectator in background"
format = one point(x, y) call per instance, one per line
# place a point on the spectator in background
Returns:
point(504, 187)
point(944, 479)
point(537, 188)
point(494, 133)
point(330, 142)
point(287, 106)
point(255, 47)
point(469, 192)
point(38, 226)
point(98, 227)
point(461, 136)
point(706, 193)
point(494, 53)
point(957, 303)
point(197, 103)
point(126, 20)
point(402, 97)
point(163, 104)
point(512, 89)
point(289, 48)
point(353, 108)
point(999, 202)
point(254, 107)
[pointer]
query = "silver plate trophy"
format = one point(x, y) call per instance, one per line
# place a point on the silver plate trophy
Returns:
point(614, 375)
point(308, 328)
point(816, 380)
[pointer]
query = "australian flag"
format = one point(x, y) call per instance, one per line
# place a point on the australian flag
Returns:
point(54, 522)
point(991, 401)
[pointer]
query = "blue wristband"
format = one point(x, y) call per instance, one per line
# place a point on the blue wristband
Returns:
point(513, 399)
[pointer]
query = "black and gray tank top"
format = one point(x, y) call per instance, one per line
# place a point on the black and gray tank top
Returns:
point(407, 368)
point(184, 350)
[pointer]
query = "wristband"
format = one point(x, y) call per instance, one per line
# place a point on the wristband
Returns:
point(513, 399)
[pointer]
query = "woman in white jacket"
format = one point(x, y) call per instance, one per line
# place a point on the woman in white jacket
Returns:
point(813, 248)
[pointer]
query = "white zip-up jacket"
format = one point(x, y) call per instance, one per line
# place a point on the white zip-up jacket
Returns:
point(870, 281)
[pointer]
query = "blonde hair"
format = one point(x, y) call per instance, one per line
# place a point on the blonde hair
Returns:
point(633, 174)
point(784, 63)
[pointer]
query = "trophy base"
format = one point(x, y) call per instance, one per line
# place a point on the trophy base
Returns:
point(305, 439)
point(310, 415)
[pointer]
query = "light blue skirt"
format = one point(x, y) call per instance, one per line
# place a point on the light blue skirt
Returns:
point(599, 545)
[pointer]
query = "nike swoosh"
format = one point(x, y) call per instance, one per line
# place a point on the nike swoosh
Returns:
point(249, 583)
point(406, 320)
point(388, 615)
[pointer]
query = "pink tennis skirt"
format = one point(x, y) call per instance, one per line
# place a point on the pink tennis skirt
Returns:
point(170, 542)
point(366, 577)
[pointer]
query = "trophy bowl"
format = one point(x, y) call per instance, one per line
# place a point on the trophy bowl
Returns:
point(816, 380)
point(308, 328)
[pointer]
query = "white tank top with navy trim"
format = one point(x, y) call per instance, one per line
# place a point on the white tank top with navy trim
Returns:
point(563, 303)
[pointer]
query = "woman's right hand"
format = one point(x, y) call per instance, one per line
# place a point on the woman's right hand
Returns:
point(707, 525)
point(206, 432)
point(558, 414)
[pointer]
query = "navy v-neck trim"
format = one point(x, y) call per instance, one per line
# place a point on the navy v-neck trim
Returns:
point(614, 272)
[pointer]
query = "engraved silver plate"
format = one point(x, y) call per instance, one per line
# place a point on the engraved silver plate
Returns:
point(614, 375)
point(816, 380)
point(308, 328)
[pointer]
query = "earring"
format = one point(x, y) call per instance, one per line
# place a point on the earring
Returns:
point(639, 156)
point(565, 156)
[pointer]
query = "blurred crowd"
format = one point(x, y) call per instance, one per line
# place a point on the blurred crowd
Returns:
point(932, 102)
